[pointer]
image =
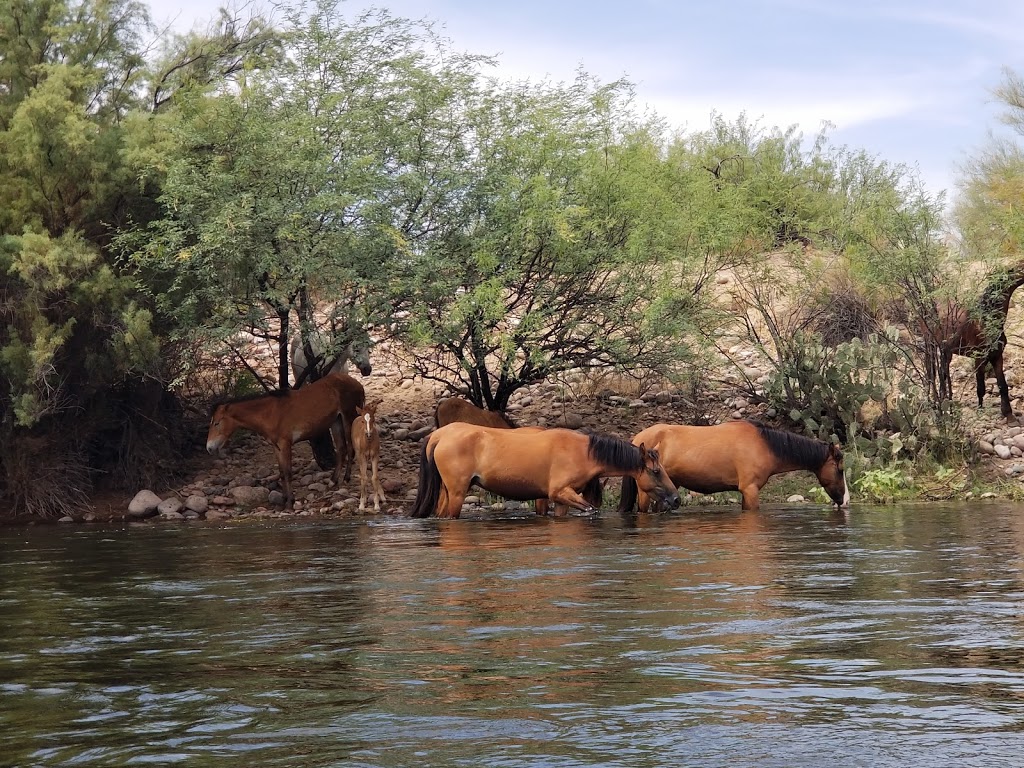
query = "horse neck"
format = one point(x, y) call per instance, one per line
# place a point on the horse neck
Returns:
point(251, 414)
point(998, 295)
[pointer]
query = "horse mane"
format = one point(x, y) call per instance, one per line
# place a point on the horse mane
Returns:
point(1001, 286)
point(804, 451)
point(508, 419)
point(617, 453)
point(217, 403)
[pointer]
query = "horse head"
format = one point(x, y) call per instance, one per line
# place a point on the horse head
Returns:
point(654, 480)
point(832, 476)
point(358, 352)
point(222, 426)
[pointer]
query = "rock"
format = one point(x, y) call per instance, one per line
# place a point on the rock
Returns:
point(417, 434)
point(66, 519)
point(222, 501)
point(218, 514)
point(168, 506)
point(637, 403)
point(987, 495)
point(144, 504)
point(401, 434)
point(986, 446)
point(250, 495)
point(197, 503)
point(570, 421)
point(172, 516)
point(275, 498)
point(796, 498)
point(392, 486)
point(1002, 451)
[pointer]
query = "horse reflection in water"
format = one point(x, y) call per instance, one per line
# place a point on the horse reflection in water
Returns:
point(529, 464)
point(736, 456)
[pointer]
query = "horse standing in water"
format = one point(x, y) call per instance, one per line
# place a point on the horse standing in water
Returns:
point(528, 464)
point(455, 409)
point(366, 443)
point(979, 334)
point(736, 456)
point(284, 418)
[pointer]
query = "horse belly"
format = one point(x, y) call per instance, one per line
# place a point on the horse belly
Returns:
point(519, 489)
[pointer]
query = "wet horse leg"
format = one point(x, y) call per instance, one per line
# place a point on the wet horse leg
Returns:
point(751, 497)
point(571, 498)
point(449, 502)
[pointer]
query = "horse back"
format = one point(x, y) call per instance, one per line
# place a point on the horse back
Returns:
point(707, 459)
point(455, 409)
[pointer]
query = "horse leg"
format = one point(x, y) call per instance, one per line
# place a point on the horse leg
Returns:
point(378, 490)
point(363, 472)
point(541, 506)
point(283, 449)
point(347, 446)
point(451, 507)
point(643, 501)
point(570, 498)
point(751, 497)
point(337, 439)
point(979, 377)
point(1004, 391)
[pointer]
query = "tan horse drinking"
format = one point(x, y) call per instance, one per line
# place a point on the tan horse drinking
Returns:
point(736, 456)
point(528, 464)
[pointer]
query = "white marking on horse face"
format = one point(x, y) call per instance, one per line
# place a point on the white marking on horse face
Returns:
point(366, 418)
point(846, 494)
point(213, 445)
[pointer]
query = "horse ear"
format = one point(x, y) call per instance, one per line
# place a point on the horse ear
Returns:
point(643, 450)
point(360, 410)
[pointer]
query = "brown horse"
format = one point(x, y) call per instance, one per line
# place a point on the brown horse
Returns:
point(456, 409)
point(979, 334)
point(529, 464)
point(366, 443)
point(736, 456)
point(284, 418)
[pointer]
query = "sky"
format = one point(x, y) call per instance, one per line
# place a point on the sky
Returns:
point(910, 81)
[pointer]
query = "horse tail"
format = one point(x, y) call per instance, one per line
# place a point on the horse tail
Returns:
point(627, 501)
point(593, 492)
point(429, 488)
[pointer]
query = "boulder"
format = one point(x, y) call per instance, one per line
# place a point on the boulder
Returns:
point(144, 504)
point(250, 495)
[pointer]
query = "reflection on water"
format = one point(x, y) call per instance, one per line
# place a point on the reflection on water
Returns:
point(786, 638)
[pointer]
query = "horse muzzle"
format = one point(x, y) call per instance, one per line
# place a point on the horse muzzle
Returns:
point(366, 370)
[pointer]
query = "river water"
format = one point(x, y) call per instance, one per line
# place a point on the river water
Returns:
point(792, 637)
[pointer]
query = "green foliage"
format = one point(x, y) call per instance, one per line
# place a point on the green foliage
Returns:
point(884, 485)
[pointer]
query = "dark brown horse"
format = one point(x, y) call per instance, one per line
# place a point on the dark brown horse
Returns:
point(979, 334)
point(528, 464)
point(736, 456)
point(284, 418)
point(456, 409)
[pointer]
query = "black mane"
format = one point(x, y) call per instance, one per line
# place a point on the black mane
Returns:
point(803, 451)
point(615, 452)
point(246, 398)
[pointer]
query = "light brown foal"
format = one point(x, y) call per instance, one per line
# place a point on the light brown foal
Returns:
point(366, 442)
